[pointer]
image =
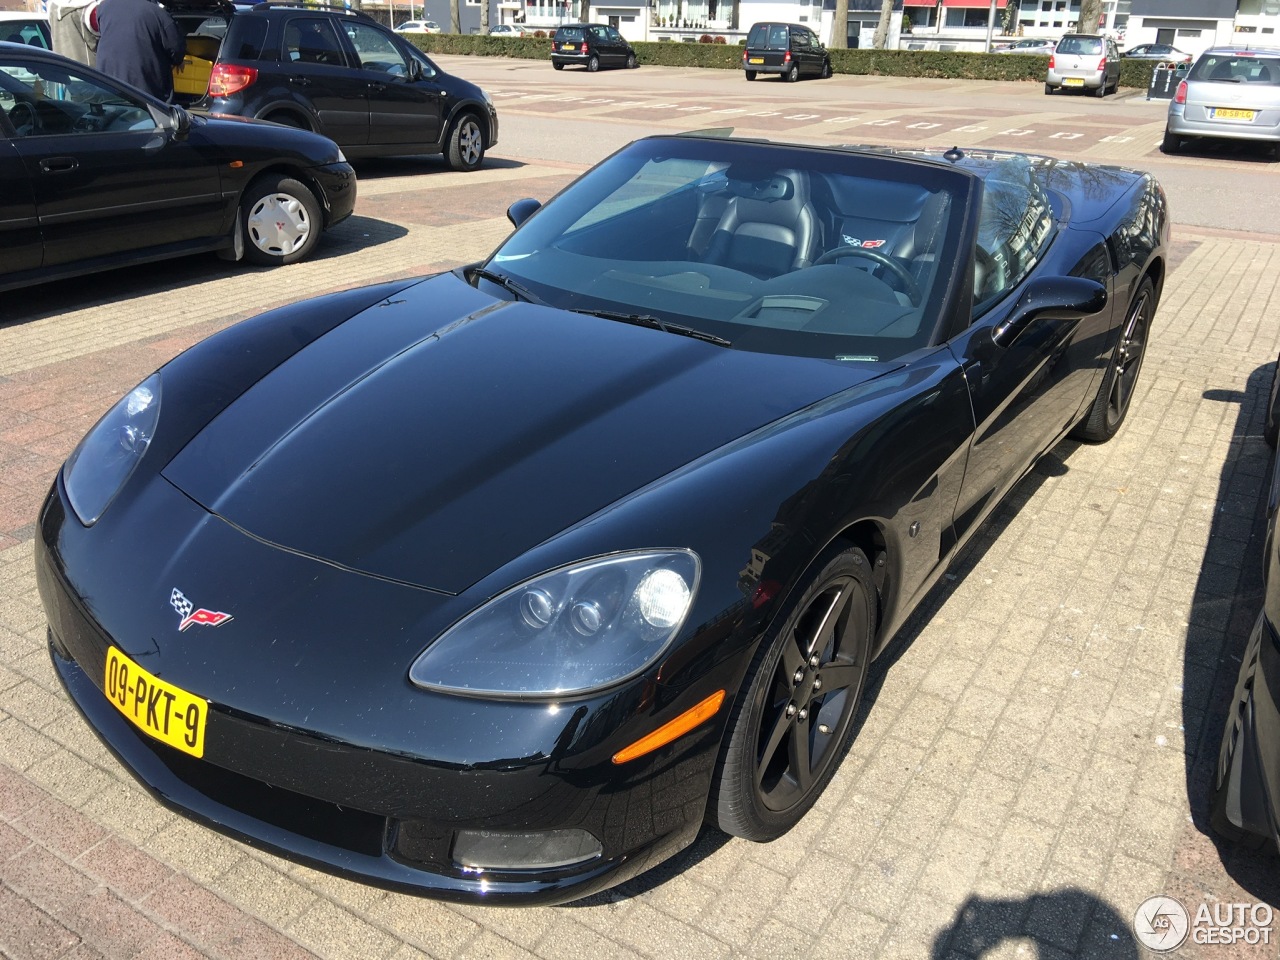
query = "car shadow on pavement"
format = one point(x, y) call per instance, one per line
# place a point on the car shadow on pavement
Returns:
point(997, 927)
point(1228, 596)
point(381, 168)
point(122, 284)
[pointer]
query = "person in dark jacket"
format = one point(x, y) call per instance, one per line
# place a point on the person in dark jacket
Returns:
point(139, 44)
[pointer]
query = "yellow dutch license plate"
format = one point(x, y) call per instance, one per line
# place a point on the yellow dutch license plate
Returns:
point(756, 60)
point(1073, 82)
point(1225, 113)
point(569, 46)
point(158, 709)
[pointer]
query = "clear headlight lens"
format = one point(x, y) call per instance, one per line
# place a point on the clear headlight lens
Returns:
point(107, 456)
point(568, 631)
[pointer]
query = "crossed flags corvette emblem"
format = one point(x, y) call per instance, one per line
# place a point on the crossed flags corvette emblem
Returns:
point(188, 613)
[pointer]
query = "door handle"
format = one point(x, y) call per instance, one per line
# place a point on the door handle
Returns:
point(301, 81)
point(377, 86)
point(59, 164)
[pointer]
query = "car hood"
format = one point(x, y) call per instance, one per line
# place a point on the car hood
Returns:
point(433, 453)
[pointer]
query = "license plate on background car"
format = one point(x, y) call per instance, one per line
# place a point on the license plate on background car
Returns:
point(158, 709)
point(1073, 82)
point(756, 60)
point(1229, 113)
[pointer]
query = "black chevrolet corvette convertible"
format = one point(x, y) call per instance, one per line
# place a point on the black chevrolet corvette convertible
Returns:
point(495, 585)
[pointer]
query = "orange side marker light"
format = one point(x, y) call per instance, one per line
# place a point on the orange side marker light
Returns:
point(673, 729)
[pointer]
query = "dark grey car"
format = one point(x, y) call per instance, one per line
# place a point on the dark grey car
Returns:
point(591, 45)
point(790, 50)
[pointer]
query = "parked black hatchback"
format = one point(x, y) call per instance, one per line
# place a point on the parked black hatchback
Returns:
point(788, 49)
point(591, 45)
point(341, 73)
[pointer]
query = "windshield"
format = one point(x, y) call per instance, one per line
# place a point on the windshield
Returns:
point(775, 249)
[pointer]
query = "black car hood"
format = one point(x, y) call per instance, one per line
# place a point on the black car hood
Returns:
point(433, 454)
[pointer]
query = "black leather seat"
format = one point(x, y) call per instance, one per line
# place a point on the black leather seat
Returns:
point(768, 226)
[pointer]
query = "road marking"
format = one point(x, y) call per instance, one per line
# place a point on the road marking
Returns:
point(923, 126)
point(765, 113)
point(1016, 132)
point(802, 116)
point(1115, 139)
point(732, 110)
point(880, 123)
point(599, 100)
point(692, 109)
point(1062, 135)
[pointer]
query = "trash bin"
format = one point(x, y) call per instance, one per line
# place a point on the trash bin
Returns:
point(1165, 79)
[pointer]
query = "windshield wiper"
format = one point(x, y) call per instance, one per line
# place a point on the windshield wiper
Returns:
point(645, 320)
point(506, 283)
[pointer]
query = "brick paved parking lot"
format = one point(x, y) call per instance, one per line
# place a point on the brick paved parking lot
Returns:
point(1035, 749)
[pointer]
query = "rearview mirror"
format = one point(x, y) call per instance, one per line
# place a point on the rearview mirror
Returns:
point(1051, 298)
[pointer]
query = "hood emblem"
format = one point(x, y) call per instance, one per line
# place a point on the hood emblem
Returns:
point(188, 613)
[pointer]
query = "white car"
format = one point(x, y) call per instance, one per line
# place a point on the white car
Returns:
point(419, 26)
point(19, 26)
point(505, 30)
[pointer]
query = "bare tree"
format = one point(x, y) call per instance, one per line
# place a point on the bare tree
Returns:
point(455, 16)
point(1090, 14)
point(484, 18)
point(840, 26)
point(882, 28)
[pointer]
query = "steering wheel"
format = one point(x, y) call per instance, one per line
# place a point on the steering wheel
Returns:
point(23, 114)
point(897, 270)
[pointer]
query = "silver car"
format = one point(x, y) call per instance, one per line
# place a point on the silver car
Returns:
point(1230, 93)
point(1084, 61)
point(1032, 46)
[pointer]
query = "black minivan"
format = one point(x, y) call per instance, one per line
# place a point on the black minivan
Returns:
point(591, 45)
point(789, 49)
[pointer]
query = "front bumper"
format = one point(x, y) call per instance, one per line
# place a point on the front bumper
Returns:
point(337, 183)
point(357, 801)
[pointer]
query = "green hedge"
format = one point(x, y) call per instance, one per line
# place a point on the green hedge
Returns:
point(885, 63)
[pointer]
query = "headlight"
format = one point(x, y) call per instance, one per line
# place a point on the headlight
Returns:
point(342, 157)
point(568, 631)
point(100, 465)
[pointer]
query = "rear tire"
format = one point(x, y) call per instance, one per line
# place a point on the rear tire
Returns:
point(1271, 426)
point(792, 75)
point(1171, 143)
point(790, 726)
point(593, 64)
point(1230, 756)
point(1101, 90)
point(751, 74)
point(288, 120)
point(1048, 90)
point(1115, 393)
point(557, 66)
point(466, 144)
point(282, 220)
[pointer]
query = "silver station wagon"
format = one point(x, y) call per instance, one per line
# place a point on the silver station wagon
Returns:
point(1231, 93)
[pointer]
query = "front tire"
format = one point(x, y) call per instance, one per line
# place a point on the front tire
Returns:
point(466, 144)
point(282, 220)
point(826, 69)
point(1115, 393)
point(791, 724)
point(632, 62)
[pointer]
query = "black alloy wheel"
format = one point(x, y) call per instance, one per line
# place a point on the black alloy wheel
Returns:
point(1115, 393)
point(791, 724)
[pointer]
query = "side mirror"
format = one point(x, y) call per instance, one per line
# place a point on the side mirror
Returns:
point(522, 210)
point(415, 69)
point(1051, 298)
point(176, 121)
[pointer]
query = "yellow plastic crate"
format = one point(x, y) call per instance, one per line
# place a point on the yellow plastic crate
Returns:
point(192, 76)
